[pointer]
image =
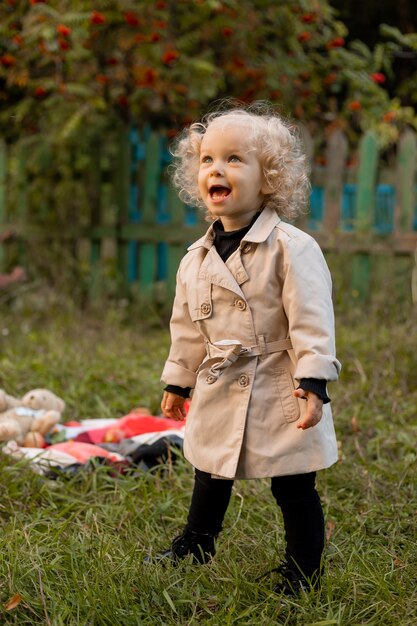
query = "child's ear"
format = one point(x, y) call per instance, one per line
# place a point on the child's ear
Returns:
point(266, 188)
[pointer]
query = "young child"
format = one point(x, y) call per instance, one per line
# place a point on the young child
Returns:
point(252, 314)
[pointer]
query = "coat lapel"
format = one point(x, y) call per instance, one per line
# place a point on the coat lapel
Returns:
point(232, 274)
point(217, 272)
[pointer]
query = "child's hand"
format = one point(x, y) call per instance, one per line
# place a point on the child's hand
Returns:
point(314, 408)
point(173, 406)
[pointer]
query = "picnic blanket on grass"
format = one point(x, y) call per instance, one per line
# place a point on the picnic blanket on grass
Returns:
point(135, 440)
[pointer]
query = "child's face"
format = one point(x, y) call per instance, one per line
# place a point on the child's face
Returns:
point(230, 176)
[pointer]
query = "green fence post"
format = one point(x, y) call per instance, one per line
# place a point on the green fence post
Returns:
point(308, 145)
point(95, 217)
point(175, 251)
point(336, 155)
point(365, 208)
point(405, 181)
point(21, 199)
point(406, 196)
point(147, 254)
point(21, 182)
point(121, 190)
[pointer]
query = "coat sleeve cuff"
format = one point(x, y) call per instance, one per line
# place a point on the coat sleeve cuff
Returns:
point(313, 365)
point(175, 374)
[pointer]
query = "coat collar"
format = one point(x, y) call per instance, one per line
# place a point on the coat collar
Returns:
point(263, 226)
point(259, 232)
point(231, 276)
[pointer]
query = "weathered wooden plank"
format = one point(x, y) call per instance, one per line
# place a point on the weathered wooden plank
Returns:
point(148, 251)
point(336, 156)
point(94, 197)
point(398, 243)
point(383, 272)
point(109, 213)
point(3, 179)
point(22, 202)
point(3, 182)
point(414, 279)
point(94, 286)
point(405, 179)
point(175, 254)
point(121, 200)
point(175, 251)
point(130, 232)
point(365, 199)
point(360, 277)
point(122, 176)
point(152, 178)
point(308, 145)
point(163, 232)
point(147, 269)
point(21, 182)
point(384, 208)
point(176, 208)
point(365, 209)
point(134, 202)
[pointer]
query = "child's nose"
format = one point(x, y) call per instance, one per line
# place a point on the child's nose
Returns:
point(217, 169)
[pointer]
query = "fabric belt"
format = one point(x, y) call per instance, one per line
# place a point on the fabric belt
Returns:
point(222, 354)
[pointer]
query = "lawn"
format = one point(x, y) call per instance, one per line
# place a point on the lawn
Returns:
point(72, 549)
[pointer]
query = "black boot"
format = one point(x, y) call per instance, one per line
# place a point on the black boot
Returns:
point(293, 583)
point(200, 545)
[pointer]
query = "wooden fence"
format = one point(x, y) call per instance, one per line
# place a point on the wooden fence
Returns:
point(136, 222)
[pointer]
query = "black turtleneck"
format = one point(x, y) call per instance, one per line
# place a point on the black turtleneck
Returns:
point(226, 242)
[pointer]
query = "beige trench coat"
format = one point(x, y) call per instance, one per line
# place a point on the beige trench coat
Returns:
point(242, 333)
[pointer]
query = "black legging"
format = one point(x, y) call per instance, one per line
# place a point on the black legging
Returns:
point(298, 500)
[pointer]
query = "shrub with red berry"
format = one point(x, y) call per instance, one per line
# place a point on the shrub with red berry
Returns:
point(73, 62)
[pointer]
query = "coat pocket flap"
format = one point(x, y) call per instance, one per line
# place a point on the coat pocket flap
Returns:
point(285, 385)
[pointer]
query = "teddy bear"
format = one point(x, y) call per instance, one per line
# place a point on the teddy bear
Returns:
point(27, 420)
point(7, 401)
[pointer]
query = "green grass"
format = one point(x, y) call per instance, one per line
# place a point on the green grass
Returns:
point(73, 549)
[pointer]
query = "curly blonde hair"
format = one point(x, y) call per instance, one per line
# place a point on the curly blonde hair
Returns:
point(284, 164)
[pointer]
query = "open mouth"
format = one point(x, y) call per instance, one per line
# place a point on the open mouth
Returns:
point(219, 192)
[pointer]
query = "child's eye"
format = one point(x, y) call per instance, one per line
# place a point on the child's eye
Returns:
point(234, 158)
point(206, 159)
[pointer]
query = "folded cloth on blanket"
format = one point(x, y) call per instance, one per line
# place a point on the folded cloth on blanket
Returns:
point(71, 429)
point(126, 427)
point(40, 459)
point(164, 450)
point(82, 452)
point(61, 454)
point(151, 449)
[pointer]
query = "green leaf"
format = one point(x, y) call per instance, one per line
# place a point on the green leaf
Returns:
point(391, 32)
point(73, 123)
point(362, 49)
point(78, 89)
point(169, 600)
point(203, 66)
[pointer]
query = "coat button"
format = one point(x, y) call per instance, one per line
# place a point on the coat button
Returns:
point(243, 380)
point(210, 379)
point(240, 304)
point(205, 308)
point(246, 248)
